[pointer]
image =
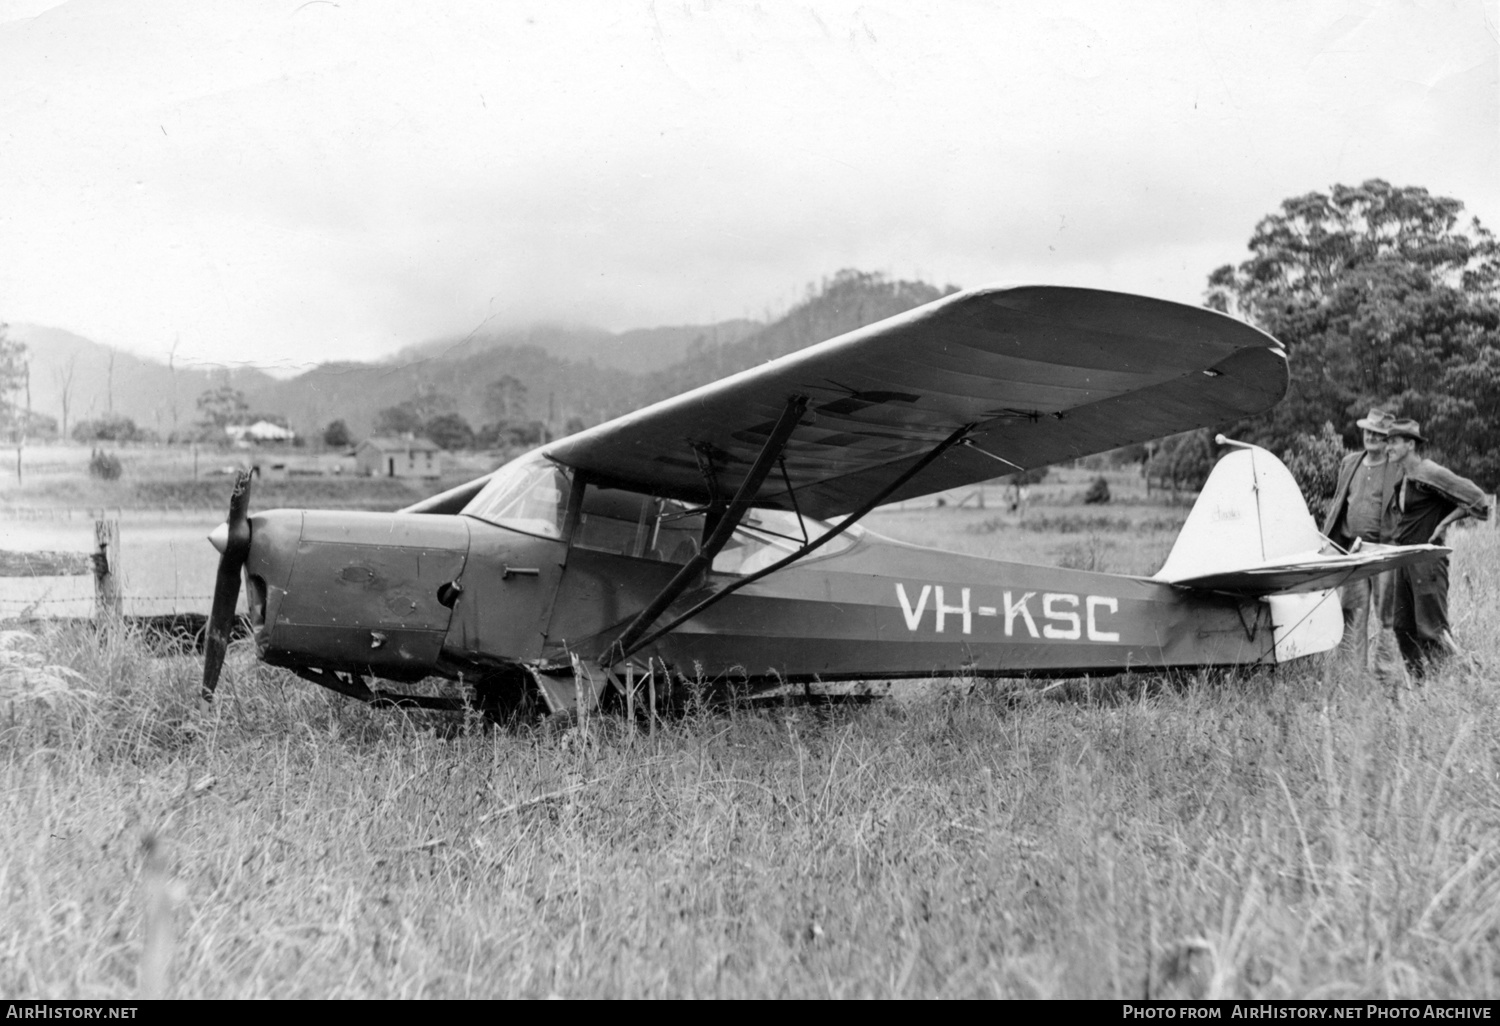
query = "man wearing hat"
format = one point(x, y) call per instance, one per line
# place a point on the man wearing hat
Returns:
point(1362, 510)
point(1430, 498)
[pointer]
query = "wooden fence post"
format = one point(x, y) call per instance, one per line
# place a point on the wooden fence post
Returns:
point(107, 598)
point(630, 697)
point(651, 695)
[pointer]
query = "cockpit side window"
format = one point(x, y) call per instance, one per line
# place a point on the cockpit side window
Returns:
point(637, 525)
point(529, 494)
point(616, 521)
point(679, 534)
point(666, 531)
point(768, 536)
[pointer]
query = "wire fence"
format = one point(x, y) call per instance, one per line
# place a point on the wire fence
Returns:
point(73, 606)
point(160, 570)
point(68, 514)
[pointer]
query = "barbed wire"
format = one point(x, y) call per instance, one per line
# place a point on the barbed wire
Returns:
point(25, 605)
point(106, 512)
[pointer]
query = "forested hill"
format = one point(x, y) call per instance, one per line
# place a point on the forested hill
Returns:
point(638, 350)
point(552, 374)
point(849, 300)
point(456, 377)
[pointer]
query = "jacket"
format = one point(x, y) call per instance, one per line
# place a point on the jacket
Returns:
point(1460, 491)
point(1388, 520)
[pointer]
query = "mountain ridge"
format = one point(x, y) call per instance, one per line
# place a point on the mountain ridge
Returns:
point(566, 372)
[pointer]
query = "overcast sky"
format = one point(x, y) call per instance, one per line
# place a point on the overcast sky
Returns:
point(290, 182)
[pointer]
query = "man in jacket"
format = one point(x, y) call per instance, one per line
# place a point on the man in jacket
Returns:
point(1430, 499)
point(1362, 511)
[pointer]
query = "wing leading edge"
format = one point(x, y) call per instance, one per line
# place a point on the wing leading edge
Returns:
point(1039, 374)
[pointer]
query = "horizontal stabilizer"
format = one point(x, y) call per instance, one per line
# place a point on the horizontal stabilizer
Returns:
point(1250, 534)
point(1309, 572)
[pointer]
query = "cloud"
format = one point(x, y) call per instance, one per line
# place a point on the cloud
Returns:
point(292, 181)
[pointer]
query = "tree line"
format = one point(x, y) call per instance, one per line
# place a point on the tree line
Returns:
point(1383, 296)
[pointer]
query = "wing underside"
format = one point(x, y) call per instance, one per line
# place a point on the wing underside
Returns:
point(1038, 374)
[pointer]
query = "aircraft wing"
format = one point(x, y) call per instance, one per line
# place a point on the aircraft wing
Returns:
point(1310, 572)
point(1044, 373)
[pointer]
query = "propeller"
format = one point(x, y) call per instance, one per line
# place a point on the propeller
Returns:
point(232, 539)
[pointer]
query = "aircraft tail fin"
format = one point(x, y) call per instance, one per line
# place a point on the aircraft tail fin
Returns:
point(1249, 512)
point(1250, 534)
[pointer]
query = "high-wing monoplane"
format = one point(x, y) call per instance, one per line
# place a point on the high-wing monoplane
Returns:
point(715, 534)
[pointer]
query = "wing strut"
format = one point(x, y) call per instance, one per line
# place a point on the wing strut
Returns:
point(623, 648)
point(718, 538)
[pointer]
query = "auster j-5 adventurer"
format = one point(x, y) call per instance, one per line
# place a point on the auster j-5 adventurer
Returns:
point(715, 534)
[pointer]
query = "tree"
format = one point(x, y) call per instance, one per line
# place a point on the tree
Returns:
point(63, 377)
point(431, 400)
point(108, 428)
point(505, 399)
point(1182, 461)
point(14, 375)
point(401, 419)
point(220, 407)
point(336, 435)
point(1382, 298)
point(509, 435)
point(450, 431)
point(1314, 462)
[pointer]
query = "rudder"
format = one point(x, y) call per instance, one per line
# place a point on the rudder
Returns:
point(1250, 513)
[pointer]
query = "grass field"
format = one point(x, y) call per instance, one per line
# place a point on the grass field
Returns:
point(1267, 835)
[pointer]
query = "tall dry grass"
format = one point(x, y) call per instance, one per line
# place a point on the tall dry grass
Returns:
point(1266, 835)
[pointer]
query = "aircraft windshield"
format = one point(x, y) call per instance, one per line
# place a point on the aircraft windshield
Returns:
point(529, 494)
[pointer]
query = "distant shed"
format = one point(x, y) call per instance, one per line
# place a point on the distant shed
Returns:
point(397, 457)
point(260, 431)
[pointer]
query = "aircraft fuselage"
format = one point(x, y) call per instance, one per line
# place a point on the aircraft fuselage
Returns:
point(404, 596)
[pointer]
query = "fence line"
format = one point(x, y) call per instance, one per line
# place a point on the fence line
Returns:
point(70, 513)
point(87, 607)
point(107, 598)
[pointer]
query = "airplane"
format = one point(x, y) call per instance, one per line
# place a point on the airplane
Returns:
point(714, 536)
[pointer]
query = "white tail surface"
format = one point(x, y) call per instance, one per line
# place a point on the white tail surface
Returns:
point(1250, 532)
point(1250, 514)
point(1250, 535)
point(1305, 624)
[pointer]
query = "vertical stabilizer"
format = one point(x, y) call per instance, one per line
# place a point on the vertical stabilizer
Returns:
point(1250, 513)
point(1250, 534)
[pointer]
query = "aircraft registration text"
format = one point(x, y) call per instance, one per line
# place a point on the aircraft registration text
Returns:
point(1063, 616)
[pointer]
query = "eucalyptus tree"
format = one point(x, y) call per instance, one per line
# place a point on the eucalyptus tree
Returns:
point(1383, 295)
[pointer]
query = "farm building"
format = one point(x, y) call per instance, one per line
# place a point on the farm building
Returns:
point(396, 457)
point(260, 431)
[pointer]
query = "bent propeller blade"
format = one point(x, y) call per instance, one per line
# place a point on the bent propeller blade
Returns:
point(235, 537)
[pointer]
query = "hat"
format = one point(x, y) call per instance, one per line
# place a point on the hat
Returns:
point(1406, 429)
point(1378, 421)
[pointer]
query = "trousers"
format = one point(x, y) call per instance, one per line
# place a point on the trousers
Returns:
point(1419, 615)
point(1357, 601)
point(1369, 642)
